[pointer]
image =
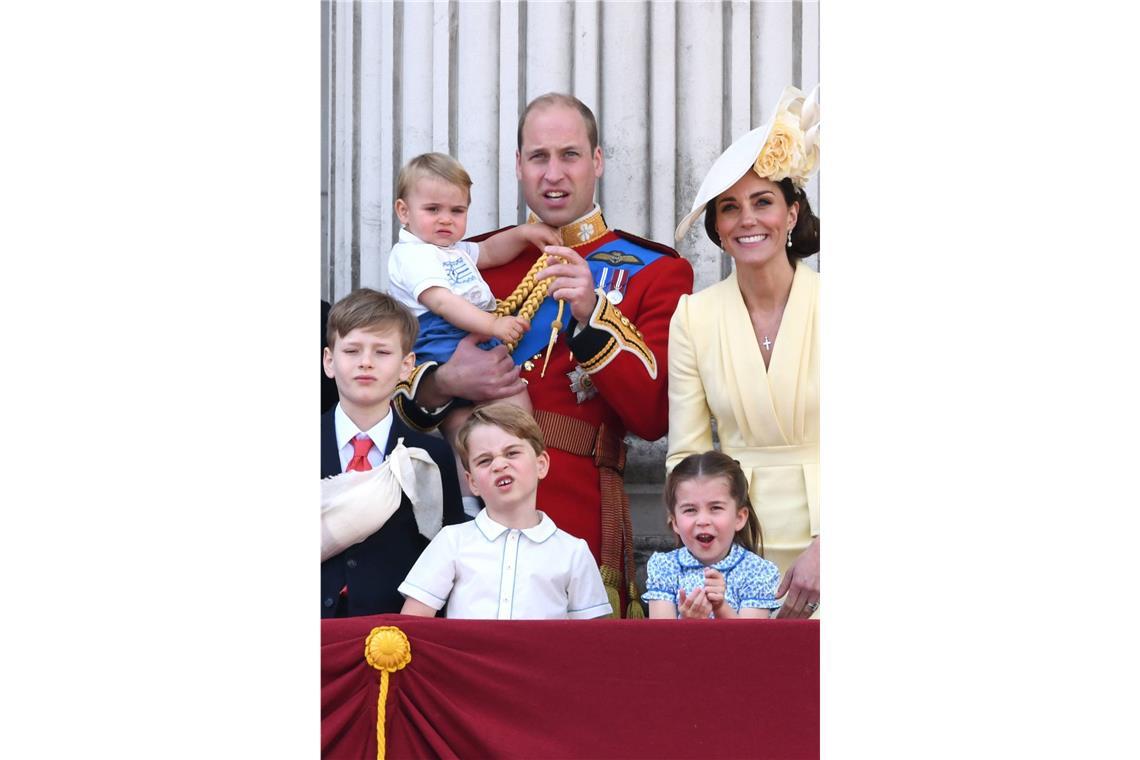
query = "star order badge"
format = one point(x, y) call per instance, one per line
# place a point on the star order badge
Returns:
point(582, 385)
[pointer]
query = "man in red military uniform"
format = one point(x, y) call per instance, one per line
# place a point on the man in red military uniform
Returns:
point(607, 371)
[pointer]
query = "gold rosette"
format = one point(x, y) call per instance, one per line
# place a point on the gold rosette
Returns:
point(386, 649)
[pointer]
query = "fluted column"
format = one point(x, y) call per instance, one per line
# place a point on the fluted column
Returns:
point(671, 84)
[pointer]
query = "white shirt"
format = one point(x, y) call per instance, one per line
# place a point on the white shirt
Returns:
point(414, 266)
point(485, 570)
point(346, 430)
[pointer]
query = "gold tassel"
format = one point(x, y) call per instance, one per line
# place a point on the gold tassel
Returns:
point(555, 326)
point(634, 610)
point(610, 579)
point(386, 649)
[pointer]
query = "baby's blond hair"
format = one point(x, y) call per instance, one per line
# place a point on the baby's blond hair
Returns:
point(438, 165)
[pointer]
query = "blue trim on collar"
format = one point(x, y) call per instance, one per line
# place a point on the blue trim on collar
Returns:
point(735, 554)
point(491, 530)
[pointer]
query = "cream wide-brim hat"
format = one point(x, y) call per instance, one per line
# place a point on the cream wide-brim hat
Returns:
point(738, 158)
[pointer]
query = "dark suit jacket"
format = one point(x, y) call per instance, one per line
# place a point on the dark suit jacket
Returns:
point(329, 395)
point(374, 568)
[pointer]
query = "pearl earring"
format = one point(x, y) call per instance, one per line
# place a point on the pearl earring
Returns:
point(789, 238)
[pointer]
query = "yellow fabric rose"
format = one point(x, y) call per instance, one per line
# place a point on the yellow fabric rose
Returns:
point(783, 154)
point(779, 156)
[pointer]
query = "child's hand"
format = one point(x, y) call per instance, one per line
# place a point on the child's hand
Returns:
point(539, 235)
point(510, 329)
point(695, 605)
point(714, 587)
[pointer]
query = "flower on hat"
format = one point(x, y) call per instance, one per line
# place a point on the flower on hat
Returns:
point(783, 154)
point(786, 147)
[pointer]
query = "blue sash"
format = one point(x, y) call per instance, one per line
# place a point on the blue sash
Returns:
point(620, 254)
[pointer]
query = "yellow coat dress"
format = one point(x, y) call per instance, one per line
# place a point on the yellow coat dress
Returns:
point(766, 418)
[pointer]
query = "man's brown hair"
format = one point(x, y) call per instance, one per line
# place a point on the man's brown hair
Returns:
point(371, 310)
point(562, 99)
point(505, 416)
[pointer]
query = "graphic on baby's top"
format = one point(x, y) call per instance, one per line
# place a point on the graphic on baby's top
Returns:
point(458, 271)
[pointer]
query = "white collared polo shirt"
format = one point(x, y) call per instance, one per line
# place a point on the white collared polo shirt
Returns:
point(484, 570)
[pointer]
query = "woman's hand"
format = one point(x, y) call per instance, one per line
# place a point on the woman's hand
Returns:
point(801, 583)
point(695, 605)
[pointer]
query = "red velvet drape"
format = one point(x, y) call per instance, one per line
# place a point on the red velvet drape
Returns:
point(575, 689)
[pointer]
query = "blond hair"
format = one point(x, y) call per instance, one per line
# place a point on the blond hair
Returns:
point(505, 416)
point(438, 165)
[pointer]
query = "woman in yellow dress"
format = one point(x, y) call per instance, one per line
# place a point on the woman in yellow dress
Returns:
point(745, 351)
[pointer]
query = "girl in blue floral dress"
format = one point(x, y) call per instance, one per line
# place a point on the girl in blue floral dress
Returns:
point(716, 572)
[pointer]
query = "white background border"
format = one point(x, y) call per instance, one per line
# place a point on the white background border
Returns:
point(160, 240)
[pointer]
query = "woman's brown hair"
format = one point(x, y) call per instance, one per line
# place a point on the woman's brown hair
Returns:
point(805, 235)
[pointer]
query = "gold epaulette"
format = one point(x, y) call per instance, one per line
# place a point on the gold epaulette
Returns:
point(624, 336)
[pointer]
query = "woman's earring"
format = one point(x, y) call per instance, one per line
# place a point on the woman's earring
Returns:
point(789, 237)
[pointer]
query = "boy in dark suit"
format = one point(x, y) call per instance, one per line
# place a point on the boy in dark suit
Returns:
point(370, 338)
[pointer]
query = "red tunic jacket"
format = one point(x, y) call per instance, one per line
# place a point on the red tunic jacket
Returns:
point(612, 375)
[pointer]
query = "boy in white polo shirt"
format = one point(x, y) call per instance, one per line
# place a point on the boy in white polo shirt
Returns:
point(512, 561)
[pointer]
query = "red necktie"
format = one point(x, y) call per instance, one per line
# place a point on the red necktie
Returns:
point(360, 448)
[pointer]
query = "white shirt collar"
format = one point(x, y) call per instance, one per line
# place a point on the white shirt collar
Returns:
point(408, 237)
point(346, 429)
point(491, 530)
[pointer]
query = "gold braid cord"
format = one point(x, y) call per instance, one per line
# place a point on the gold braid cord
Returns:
point(386, 649)
point(617, 545)
point(527, 296)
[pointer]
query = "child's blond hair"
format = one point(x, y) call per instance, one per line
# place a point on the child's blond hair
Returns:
point(438, 165)
point(506, 417)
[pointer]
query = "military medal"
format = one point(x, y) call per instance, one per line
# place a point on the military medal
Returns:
point(616, 286)
point(615, 294)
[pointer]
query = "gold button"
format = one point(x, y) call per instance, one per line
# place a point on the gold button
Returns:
point(528, 365)
point(625, 321)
